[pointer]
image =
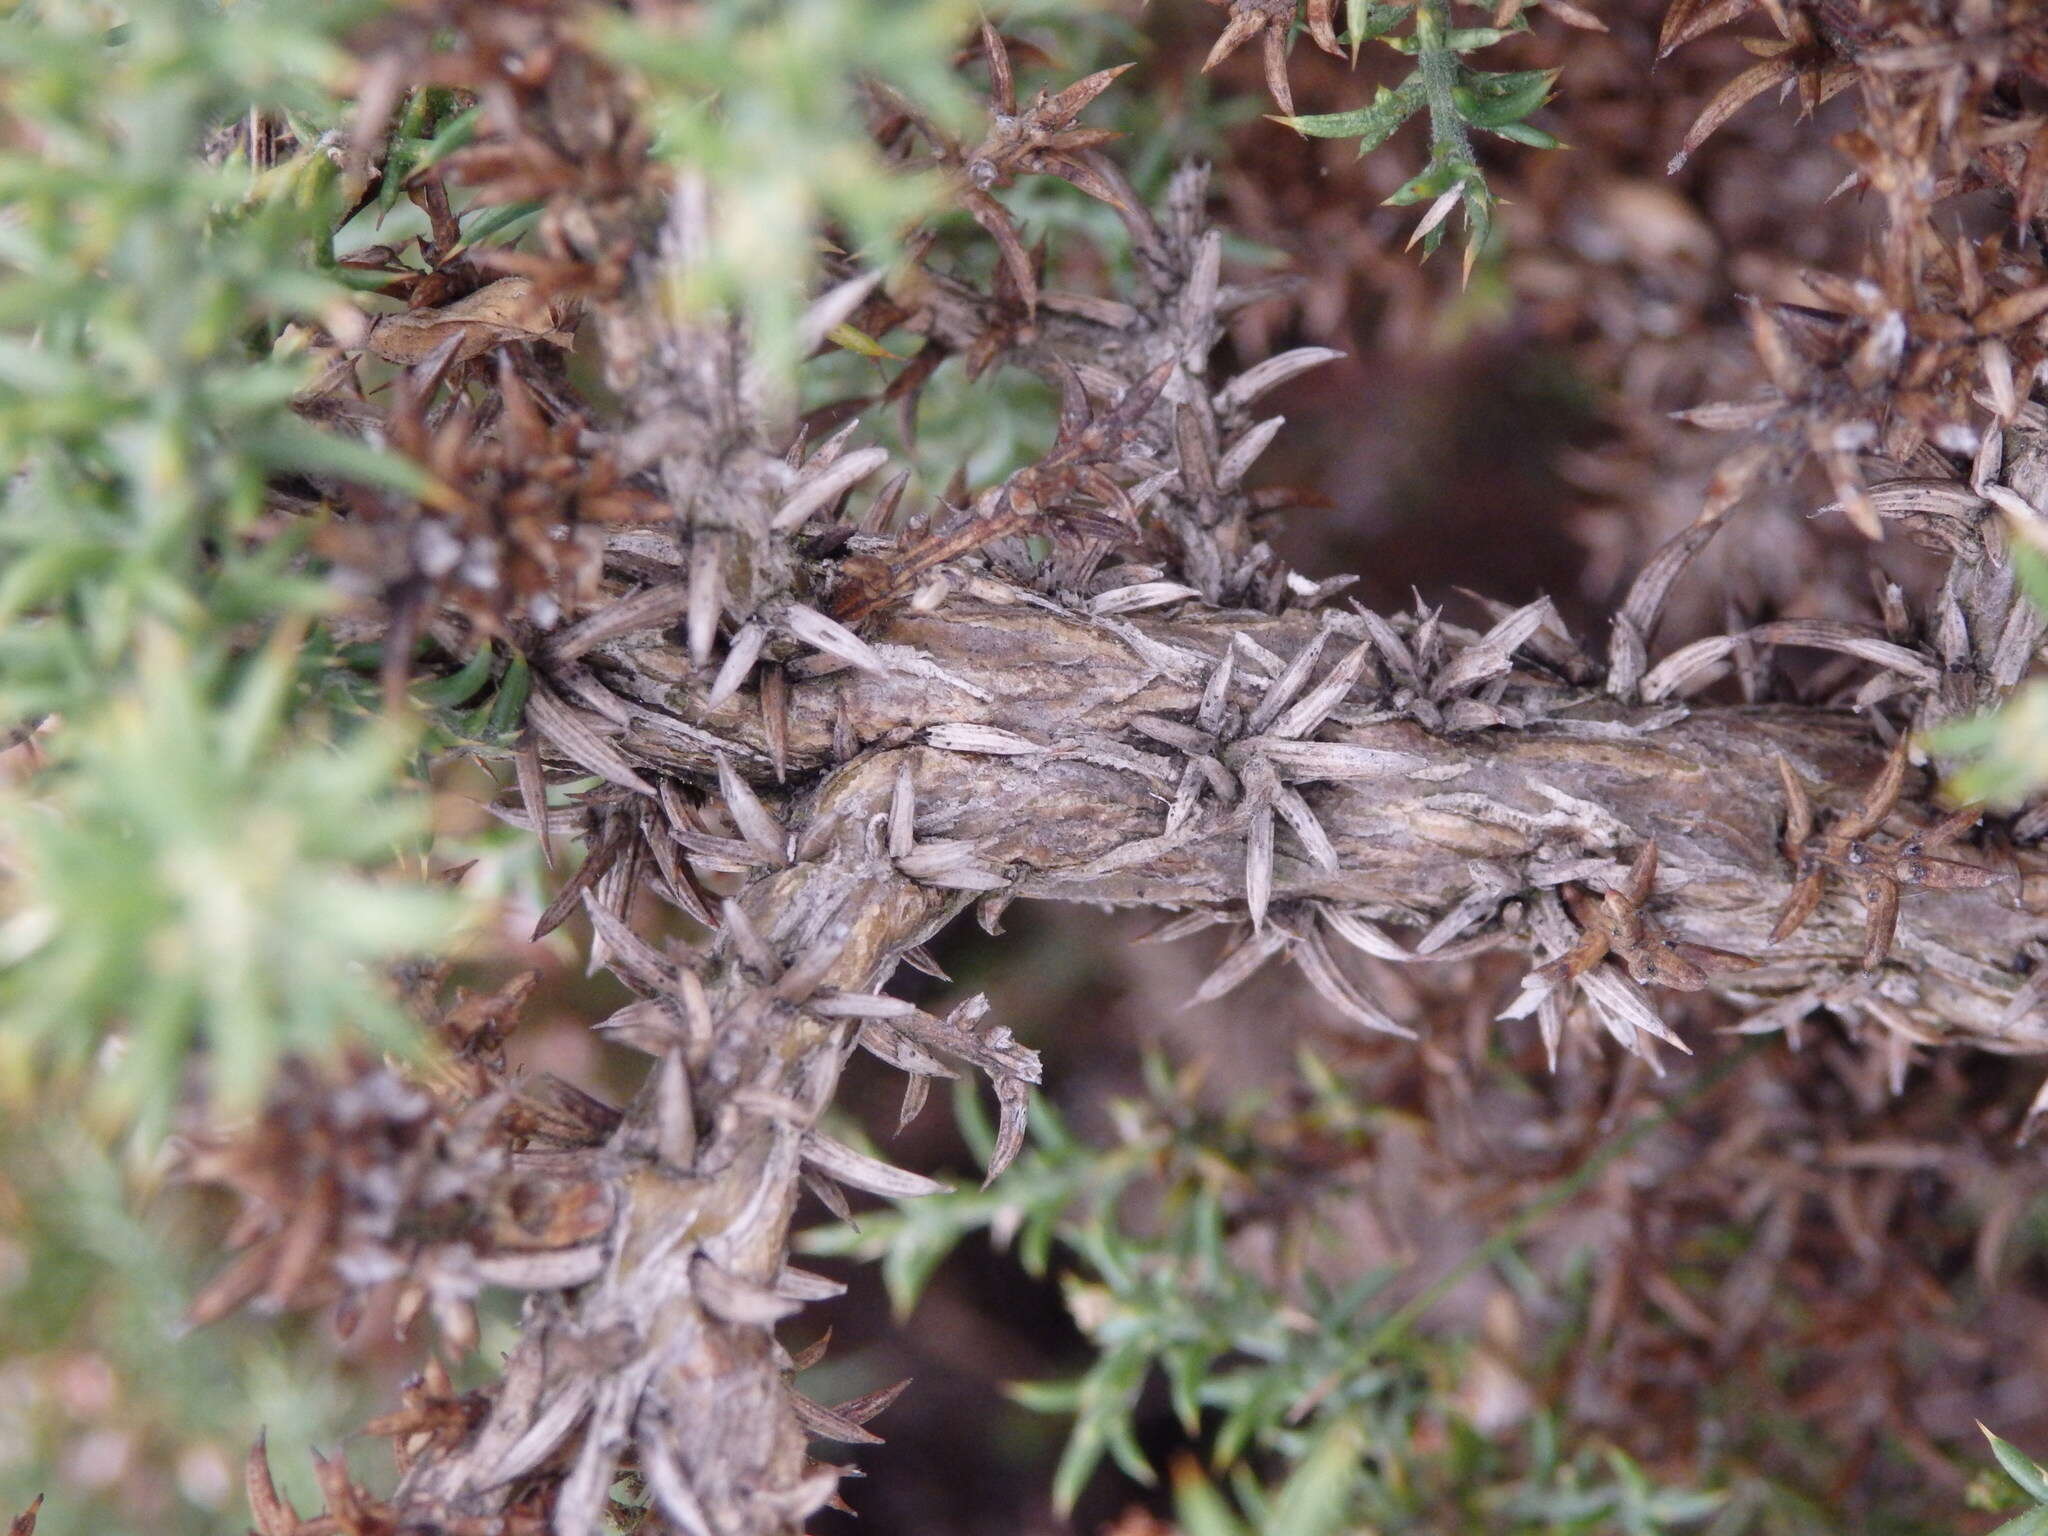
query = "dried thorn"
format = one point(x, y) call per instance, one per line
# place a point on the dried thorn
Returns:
point(1075, 410)
point(775, 720)
point(1882, 797)
point(1241, 28)
point(831, 1196)
point(1262, 378)
point(1013, 1099)
point(1002, 84)
point(1287, 685)
point(1322, 26)
point(827, 488)
point(1315, 841)
point(988, 912)
point(237, 1283)
point(1798, 813)
point(871, 1405)
point(1258, 865)
point(646, 609)
point(541, 1269)
point(1321, 702)
point(740, 657)
point(1594, 942)
point(1708, 961)
point(1197, 466)
point(610, 846)
point(1806, 893)
point(812, 628)
point(754, 950)
point(953, 864)
point(1550, 1019)
point(707, 595)
point(675, 1134)
point(273, 1514)
point(533, 792)
point(1245, 452)
point(669, 1484)
point(572, 734)
point(802, 1285)
point(1321, 969)
point(1070, 103)
point(916, 1089)
point(1362, 935)
point(645, 1025)
point(1881, 920)
point(1129, 411)
point(1237, 966)
point(1186, 797)
point(826, 1424)
point(808, 971)
point(846, 1165)
point(1642, 876)
point(1215, 703)
point(1945, 874)
point(812, 1352)
point(762, 831)
point(903, 813)
point(738, 1300)
point(882, 510)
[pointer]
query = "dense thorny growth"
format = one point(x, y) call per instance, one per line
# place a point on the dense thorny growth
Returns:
point(540, 435)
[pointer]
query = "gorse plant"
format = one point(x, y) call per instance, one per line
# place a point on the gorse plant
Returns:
point(104, 1386)
point(192, 883)
point(2002, 754)
point(447, 512)
point(767, 104)
point(1456, 99)
point(2029, 1480)
point(1265, 1364)
point(145, 405)
point(179, 883)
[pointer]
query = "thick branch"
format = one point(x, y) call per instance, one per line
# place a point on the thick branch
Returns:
point(1506, 812)
point(666, 1358)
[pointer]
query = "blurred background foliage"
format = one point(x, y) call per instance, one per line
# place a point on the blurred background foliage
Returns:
point(2001, 757)
point(765, 102)
point(177, 876)
point(125, 1421)
point(1364, 1286)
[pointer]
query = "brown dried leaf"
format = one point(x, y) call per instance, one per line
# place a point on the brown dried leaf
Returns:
point(510, 309)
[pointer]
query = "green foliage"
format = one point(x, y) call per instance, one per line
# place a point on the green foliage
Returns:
point(1327, 1383)
point(1456, 99)
point(2004, 751)
point(1524, 1490)
point(101, 1384)
point(142, 404)
point(2031, 1481)
point(766, 101)
point(990, 428)
point(189, 870)
point(198, 881)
